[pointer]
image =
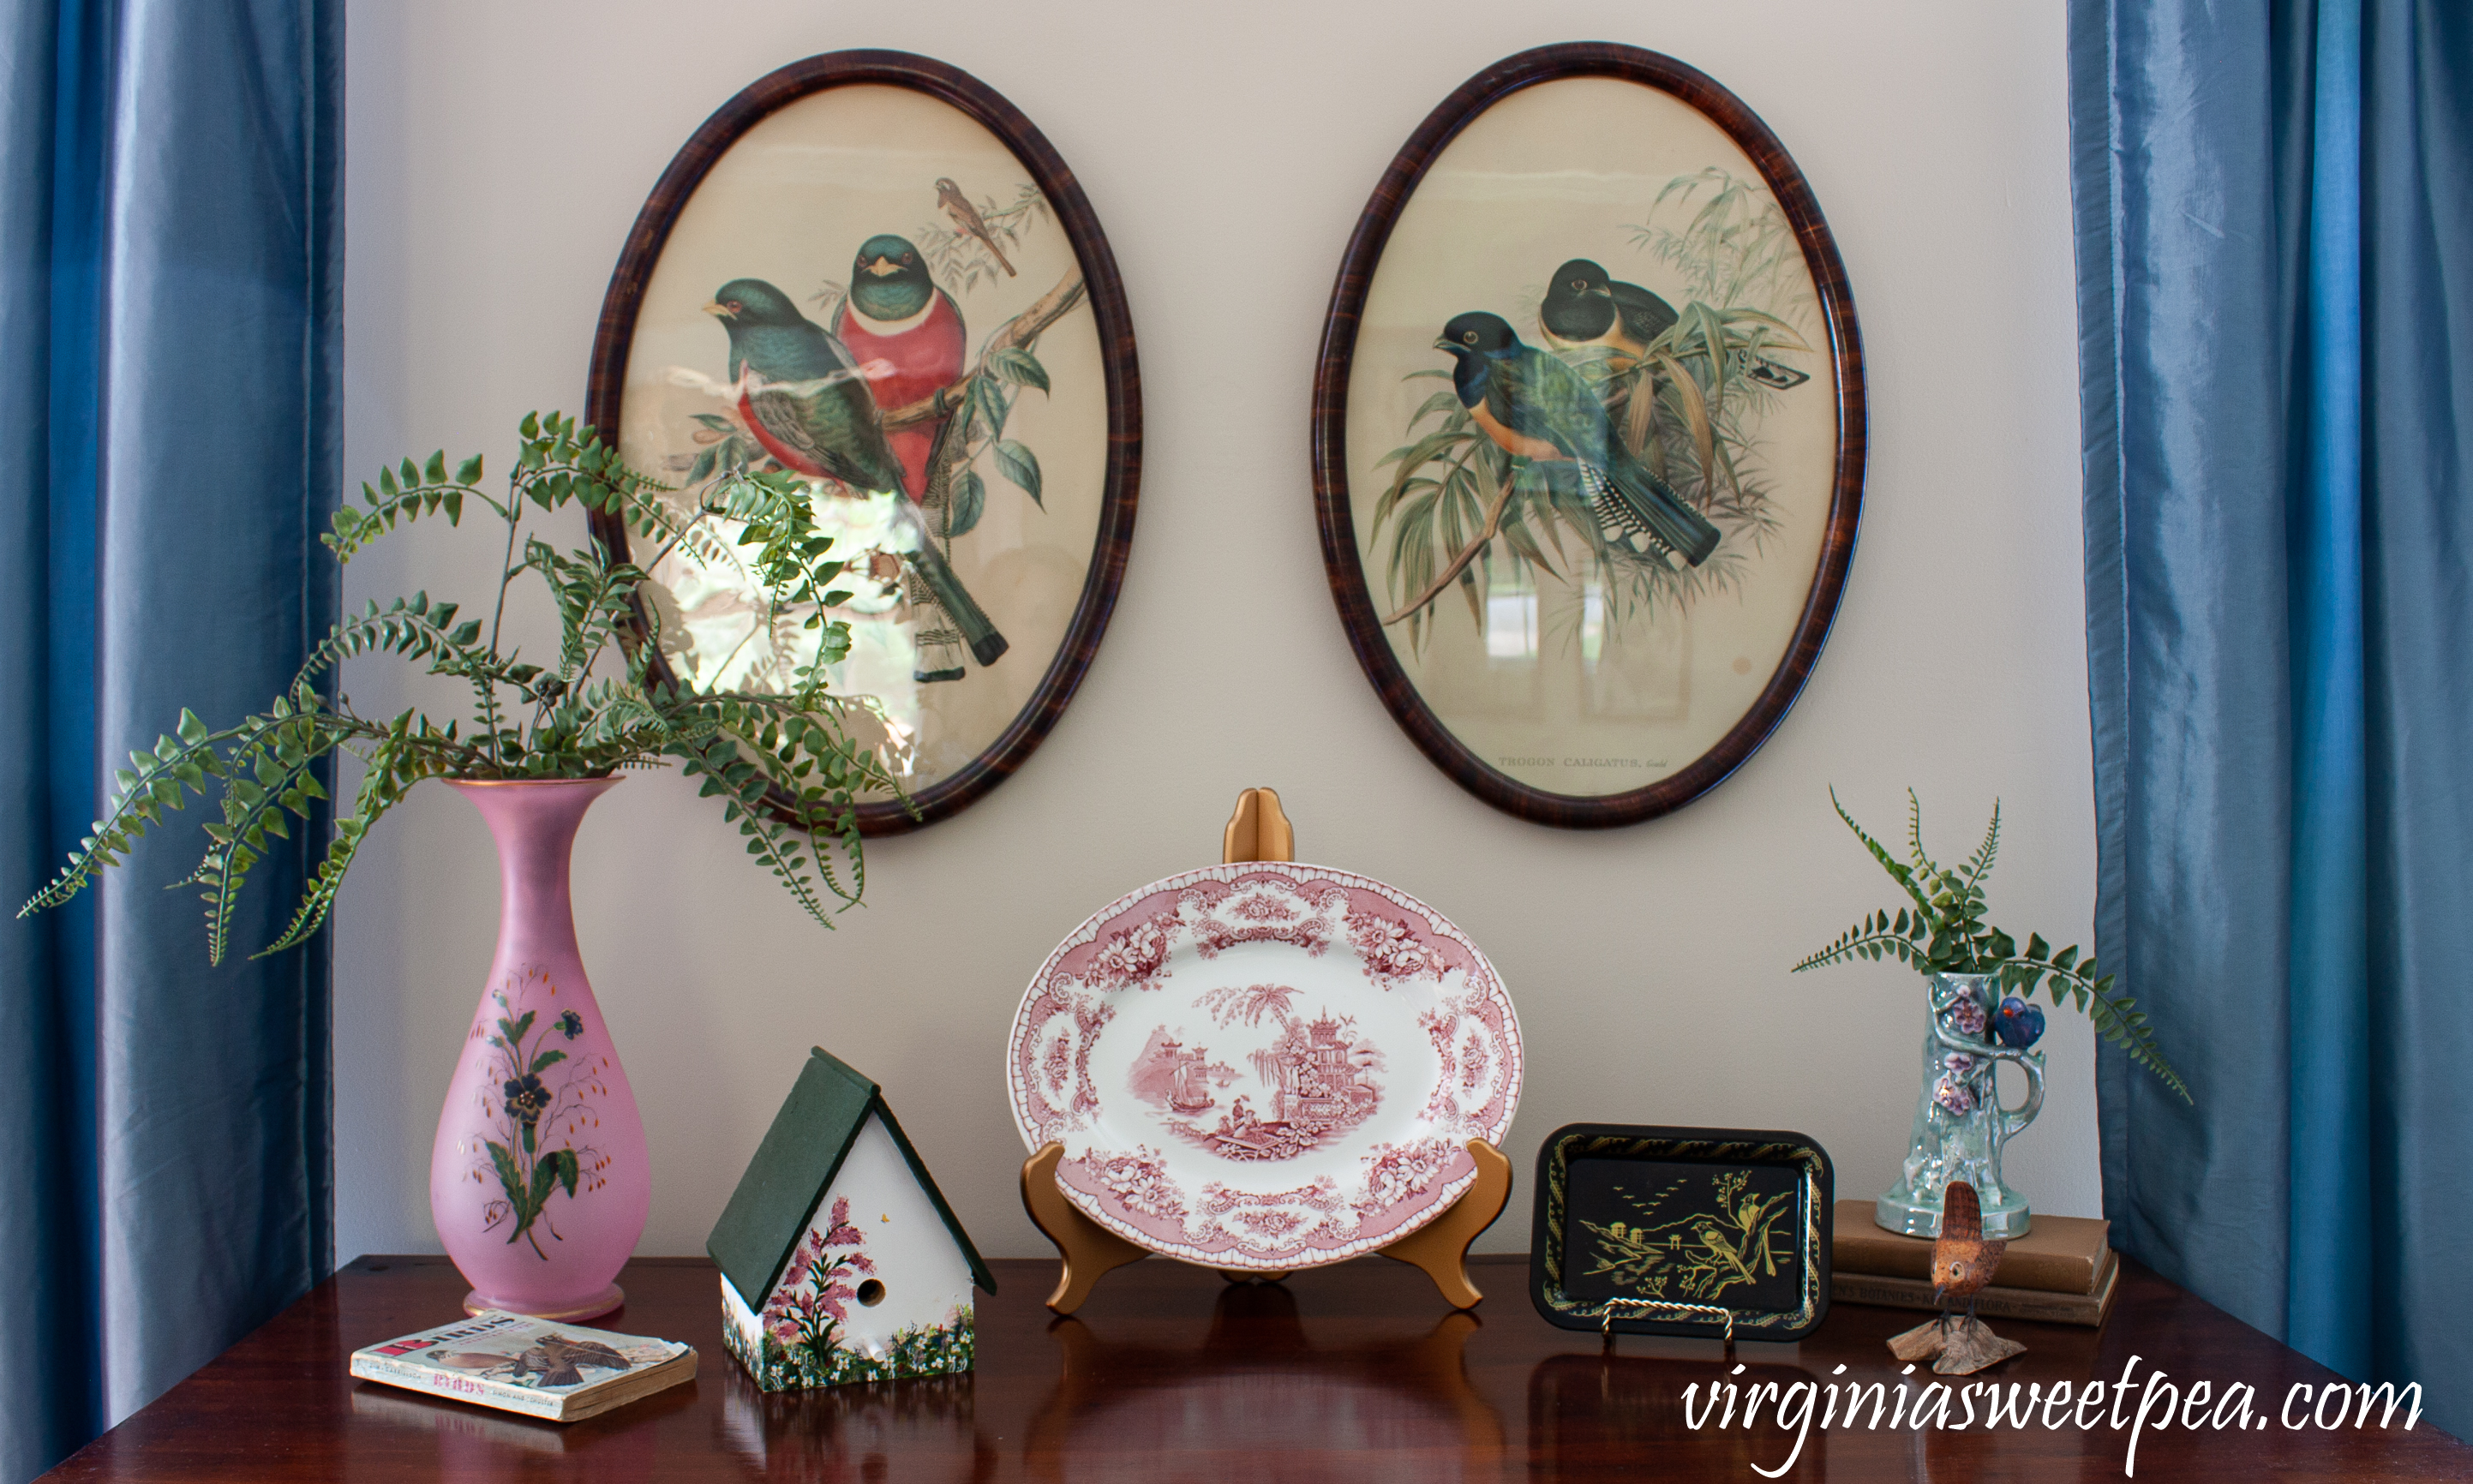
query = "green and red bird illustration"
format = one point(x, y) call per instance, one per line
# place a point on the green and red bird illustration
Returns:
point(1535, 407)
point(807, 402)
point(897, 315)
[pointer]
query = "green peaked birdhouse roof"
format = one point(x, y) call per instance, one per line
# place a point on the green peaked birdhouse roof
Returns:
point(795, 1166)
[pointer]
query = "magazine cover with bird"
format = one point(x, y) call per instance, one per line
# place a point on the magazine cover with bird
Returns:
point(869, 292)
point(517, 1363)
point(1592, 428)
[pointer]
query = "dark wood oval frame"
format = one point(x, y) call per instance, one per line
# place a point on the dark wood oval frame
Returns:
point(1103, 288)
point(1348, 584)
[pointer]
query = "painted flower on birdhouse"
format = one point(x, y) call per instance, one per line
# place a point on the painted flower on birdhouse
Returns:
point(815, 1293)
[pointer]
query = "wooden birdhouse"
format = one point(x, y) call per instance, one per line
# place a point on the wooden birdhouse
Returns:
point(839, 1259)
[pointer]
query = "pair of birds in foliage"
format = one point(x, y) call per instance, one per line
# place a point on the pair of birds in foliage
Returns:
point(805, 394)
point(1534, 406)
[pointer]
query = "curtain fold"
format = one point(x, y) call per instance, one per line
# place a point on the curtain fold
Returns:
point(2275, 282)
point(170, 382)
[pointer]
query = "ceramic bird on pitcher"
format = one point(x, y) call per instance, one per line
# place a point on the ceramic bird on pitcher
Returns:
point(1963, 1263)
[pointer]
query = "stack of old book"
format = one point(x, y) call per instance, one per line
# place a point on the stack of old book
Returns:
point(2062, 1272)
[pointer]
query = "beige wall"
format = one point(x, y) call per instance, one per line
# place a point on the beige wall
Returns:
point(498, 153)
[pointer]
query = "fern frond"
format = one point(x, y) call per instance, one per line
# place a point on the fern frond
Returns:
point(269, 773)
point(1905, 877)
point(181, 762)
point(743, 784)
point(392, 501)
point(399, 761)
point(1923, 863)
point(1875, 937)
point(1979, 867)
point(2115, 1016)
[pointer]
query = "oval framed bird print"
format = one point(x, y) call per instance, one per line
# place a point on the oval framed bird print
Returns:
point(1588, 435)
point(871, 271)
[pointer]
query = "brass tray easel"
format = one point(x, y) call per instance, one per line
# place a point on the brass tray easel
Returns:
point(1260, 831)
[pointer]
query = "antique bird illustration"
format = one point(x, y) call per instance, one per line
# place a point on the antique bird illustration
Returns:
point(1535, 407)
point(966, 220)
point(807, 402)
point(895, 313)
point(1584, 307)
point(1963, 1262)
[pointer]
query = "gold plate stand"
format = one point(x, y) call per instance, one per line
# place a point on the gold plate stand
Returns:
point(1439, 1249)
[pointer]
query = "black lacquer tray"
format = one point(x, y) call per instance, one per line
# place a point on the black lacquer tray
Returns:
point(1645, 1229)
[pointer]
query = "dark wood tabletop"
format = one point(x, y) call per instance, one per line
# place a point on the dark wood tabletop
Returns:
point(1354, 1372)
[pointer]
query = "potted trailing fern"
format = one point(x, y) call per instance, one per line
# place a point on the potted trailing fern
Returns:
point(537, 1179)
point(1980, 1012)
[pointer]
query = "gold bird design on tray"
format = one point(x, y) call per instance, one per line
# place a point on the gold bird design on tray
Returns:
point(967, 220)
point(1963, 1263)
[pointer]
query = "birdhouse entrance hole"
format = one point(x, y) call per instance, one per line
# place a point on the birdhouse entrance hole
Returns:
point(871, 1293)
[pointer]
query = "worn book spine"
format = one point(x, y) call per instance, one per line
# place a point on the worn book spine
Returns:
point(2062, 1255)
point(2086, 1309)
point(463, 1388)
point(623, 1390)
point(2059, 1273)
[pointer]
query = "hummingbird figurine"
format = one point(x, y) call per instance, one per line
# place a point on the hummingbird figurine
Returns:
point(1963, 1262)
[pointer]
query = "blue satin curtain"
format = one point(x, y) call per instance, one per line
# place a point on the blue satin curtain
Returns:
point(169, 380)
point(2275, 283)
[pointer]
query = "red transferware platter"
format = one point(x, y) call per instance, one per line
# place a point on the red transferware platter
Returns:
point(1264, 1065)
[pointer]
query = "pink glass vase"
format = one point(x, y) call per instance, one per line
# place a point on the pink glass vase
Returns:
point(537, 1181)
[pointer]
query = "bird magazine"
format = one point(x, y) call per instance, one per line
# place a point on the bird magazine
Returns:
point(538, 1367)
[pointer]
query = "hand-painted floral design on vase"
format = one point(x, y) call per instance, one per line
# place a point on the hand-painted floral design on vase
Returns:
point(1960, 1127)
point(538, 1179)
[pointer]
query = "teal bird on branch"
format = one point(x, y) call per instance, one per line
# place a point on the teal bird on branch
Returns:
point(1535, 407)
point(807, 402)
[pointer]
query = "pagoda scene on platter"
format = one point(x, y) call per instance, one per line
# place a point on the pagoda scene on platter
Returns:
point(1311, 1085)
